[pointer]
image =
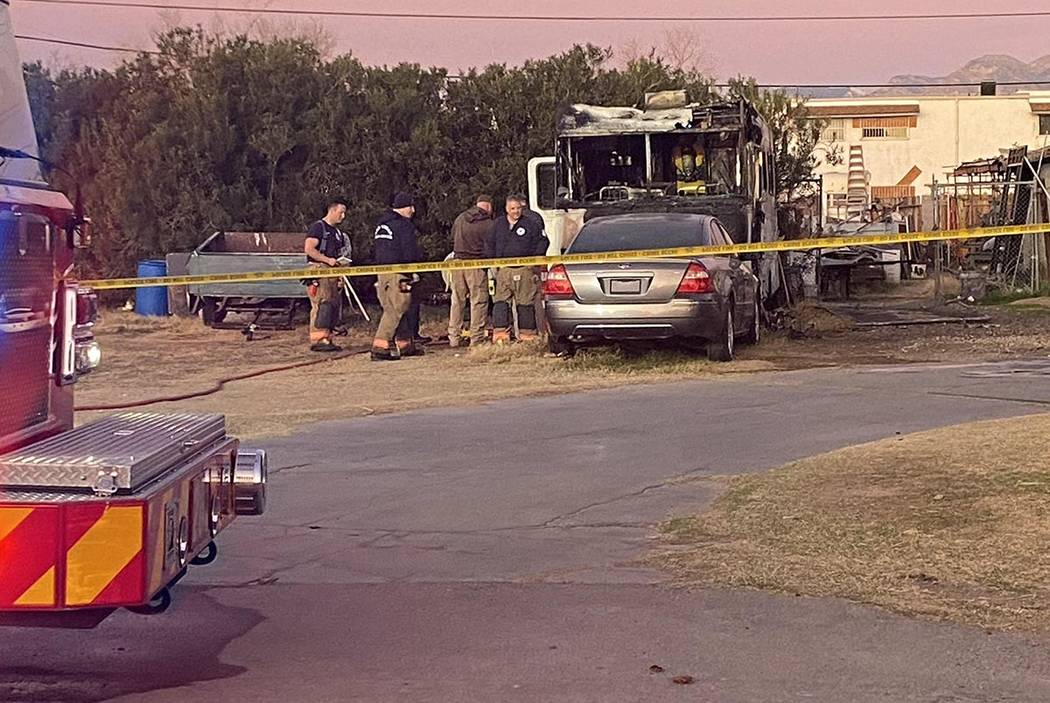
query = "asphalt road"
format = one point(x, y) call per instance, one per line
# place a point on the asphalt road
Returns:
point(493, 553)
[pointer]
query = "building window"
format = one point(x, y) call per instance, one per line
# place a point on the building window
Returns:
point(1044, 124)
point(884, 133)
point(885, 127)
point(834, 131)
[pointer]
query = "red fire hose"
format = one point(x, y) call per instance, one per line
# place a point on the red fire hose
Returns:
point(220, 384)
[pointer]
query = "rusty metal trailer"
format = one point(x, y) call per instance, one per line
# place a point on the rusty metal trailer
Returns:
point(241, 252)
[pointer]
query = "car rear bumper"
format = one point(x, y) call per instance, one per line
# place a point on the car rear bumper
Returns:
point(681, 317)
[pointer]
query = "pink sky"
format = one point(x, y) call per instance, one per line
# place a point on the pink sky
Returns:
point(819, 52)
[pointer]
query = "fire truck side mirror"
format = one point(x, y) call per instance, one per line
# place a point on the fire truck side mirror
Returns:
point(81, 234)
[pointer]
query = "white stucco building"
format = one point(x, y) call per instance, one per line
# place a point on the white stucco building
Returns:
point(892, 148)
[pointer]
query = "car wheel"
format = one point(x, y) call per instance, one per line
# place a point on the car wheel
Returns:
point(754, 332)
point(561, 346)
point(721, 349)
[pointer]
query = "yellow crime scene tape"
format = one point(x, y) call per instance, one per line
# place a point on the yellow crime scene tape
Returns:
point(595, 258)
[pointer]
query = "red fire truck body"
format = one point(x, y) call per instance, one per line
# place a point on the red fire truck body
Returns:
point(109, 514)
point(112, 513)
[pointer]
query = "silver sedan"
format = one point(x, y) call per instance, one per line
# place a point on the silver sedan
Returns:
point(710, 299)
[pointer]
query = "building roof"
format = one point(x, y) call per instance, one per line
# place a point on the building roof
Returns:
point(883, 106)
point(881, 110)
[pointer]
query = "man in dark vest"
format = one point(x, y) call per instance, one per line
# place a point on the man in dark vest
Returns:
point(326, 247)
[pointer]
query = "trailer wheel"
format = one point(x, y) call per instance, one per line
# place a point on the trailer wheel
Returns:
point(207, 556)
point(211, 313)
point(157, 605)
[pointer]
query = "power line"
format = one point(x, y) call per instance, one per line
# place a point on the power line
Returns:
point(84, 45)
point(546, 18)
point(976, 84)
point(767, 86)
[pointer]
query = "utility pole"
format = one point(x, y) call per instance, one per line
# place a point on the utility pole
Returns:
point(938, 291)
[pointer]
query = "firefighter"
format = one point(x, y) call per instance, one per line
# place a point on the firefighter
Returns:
point(396, 243)
point(514, 235)
point(470, 235)
point(326, 247)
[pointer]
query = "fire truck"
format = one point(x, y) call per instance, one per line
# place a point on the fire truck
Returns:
point(110, 514)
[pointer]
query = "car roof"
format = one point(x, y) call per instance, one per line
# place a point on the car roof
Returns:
point(667, 221)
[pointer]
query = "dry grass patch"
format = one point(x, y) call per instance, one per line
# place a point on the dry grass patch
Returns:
point(809, 318)
point(144, 359)
point(949, 524)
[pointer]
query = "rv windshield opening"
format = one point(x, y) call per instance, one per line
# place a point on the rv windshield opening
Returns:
point(610, 168)
point(606, 167)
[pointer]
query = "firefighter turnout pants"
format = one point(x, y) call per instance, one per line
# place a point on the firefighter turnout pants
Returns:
point(518, 286)
point(326, 310)
point(396, 299)
point(472, 285)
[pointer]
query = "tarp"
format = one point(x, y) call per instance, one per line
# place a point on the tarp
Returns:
point(16, 122)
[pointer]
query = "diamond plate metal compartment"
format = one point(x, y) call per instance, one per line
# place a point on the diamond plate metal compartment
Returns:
point(118, 454)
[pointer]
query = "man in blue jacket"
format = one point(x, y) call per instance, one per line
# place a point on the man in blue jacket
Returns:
point(396, 243)
point(515, 235)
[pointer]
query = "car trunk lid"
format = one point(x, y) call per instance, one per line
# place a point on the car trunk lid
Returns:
point(642, 281)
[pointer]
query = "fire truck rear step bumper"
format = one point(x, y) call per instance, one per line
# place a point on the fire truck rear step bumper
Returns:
point(71, 550)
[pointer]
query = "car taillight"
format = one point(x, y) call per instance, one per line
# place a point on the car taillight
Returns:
point(696, 280)
point(87, 307)
point(557, 283)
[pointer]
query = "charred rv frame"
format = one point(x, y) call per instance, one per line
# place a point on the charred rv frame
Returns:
point(712, 159)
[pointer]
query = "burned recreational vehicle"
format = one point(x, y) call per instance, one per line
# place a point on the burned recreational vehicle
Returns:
point(712, 159)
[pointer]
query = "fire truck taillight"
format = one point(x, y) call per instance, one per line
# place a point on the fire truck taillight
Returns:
point(68, 346)
point(88, 352)
point(87, 307)
point(78, 351)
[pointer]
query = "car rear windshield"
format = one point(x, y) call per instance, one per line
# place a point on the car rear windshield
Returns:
point(655, 233)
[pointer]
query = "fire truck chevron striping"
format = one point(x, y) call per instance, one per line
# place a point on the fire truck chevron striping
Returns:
point(98, 549)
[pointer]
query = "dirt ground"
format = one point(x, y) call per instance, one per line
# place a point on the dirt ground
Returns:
point(951, 524)
point(930, 524)
point(147, 358)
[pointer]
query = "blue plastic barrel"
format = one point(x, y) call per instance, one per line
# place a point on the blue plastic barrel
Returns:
point(154, 299)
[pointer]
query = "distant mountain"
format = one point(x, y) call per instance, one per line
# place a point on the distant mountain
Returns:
point(822, 93)
point(994, 67)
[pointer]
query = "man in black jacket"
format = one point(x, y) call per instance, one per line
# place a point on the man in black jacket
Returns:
point(515, 235)
point(396, 243)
